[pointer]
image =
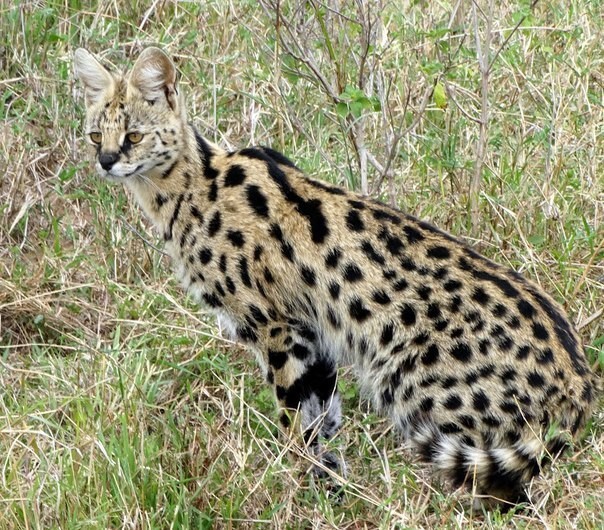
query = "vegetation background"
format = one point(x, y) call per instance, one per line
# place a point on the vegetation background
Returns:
point(120, 404)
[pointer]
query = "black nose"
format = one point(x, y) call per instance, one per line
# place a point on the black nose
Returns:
point(107, 160)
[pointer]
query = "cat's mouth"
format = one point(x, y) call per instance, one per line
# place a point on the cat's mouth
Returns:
point(116, 174)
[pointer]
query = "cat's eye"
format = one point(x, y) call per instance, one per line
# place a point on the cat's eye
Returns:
point(96, 137)
point(134, 137)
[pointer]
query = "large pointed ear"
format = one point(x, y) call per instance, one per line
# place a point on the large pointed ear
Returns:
point(93, 75)
point(154, 76)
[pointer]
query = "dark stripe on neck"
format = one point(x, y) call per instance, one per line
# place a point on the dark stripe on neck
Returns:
point(309, 208)
point(168, 171)
point(205, 154)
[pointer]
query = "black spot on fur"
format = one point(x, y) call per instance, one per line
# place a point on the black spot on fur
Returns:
point(438, 252)
point(422, 338)
point(440, 273)
point(455, 333)
point(523, 352)
point(424, 292)
point(247, 334)
point(480, 295)
point(213, 192)
point(399, 347)
point(535, 379)
point(212, 300)
point(429, 381)
point(452, 285)
point(400, 285)
point(393, 243)
point(545, 356)
point(215, 224)
point(433, 312)
point(230, 285)
point(539, 331)
point(308, 275)
point(408, 363)
point(219, 289)
point(480, 401)
point(168, 171)
point(499, 310)
point(453, 402)
point(456, 303)
point(430, 356)
point(276, 331)
point(300, 351)
point(413, 234)
point(333, 318)
point(526, 309)
point(352, 273)
point(462, 352)
point(160, 200)
point(197, 214)
point(449, 382)
point(372, 254)
point(332, 258)
point(354, 221)
point(306, 332)
point(426, 404)
point(486, 371)
point(257, 200)
point(441, 325)
point(236, 238)
point(387, 334)
point(509, 407)
point(587, 393)
point(258, 315)
point(186, 231)
point(380, 297)
point(408, 316)
point(319, 379)
point(286, 249)
point(407, 264)
point(234, 176)
point(358, 311)
point(389, 274)
point(505, 343)
point(387, 397)
point(244, 272)
point(205, 255)
point(334, 290)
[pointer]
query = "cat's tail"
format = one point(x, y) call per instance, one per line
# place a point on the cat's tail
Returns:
point(500, 472)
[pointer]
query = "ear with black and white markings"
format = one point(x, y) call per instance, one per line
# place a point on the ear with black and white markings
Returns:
point(154, 76)
point(95, 78)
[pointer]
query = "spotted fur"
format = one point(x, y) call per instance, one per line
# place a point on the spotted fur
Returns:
point(479, 369)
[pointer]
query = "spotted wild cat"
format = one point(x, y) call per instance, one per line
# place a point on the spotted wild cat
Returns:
point(478, 368)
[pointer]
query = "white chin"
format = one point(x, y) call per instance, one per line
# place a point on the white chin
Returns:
point(119, 173)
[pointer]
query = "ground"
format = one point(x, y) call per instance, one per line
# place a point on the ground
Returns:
point(120, 404)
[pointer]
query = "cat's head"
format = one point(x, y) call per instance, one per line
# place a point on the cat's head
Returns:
point(135, 121)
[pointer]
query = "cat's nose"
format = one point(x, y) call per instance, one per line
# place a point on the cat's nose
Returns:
point(107, 160)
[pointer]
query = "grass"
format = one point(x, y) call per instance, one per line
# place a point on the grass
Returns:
point(120, 404)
